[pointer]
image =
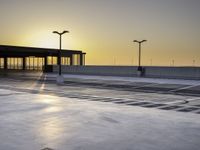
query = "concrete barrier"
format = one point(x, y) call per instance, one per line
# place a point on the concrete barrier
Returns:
point(128, 71)
point(173, 72)
point(99, 70)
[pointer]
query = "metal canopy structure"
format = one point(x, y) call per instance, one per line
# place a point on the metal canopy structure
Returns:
point(33, 58)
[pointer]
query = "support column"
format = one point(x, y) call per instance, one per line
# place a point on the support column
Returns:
point(24, 63)
point(71, 60)
point(81, 60)
point(5, 63)
point(58, 60)
point(45, 64)
point(83, 57)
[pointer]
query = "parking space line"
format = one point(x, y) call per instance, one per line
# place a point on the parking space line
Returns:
point(43, 83)
point(184, 88)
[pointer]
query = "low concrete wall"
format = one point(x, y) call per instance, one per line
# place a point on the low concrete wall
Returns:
point(173, 72)
point(99, 70)
point(128, 71)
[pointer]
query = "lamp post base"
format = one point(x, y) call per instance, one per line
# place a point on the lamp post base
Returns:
point(140, 71)
point(60, 79)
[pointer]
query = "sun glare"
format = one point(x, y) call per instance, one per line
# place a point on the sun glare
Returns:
point(44, 39)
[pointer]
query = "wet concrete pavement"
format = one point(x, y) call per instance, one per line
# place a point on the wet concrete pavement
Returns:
point(35, 115)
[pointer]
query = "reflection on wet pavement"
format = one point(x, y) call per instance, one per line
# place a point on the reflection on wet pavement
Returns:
point(83, 118)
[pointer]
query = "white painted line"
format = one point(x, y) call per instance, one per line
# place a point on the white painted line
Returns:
point(183, 88)
point(177, 102)
point(193, 99)
point(43, 83)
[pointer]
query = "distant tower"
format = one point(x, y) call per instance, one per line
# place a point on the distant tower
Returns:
point(132, 61)
point(114, 61)
point(193, 62)
point(172, 62)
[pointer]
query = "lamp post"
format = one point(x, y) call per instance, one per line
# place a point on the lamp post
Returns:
point(139, 42)
point(140, 70)
point(60, 78)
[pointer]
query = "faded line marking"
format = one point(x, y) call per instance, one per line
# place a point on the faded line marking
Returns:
point(184, 88)
point(43, 83)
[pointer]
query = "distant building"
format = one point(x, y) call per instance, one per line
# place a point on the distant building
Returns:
point(32, 58)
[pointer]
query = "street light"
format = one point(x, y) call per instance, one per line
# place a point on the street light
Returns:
point(139, 60)
point(60, 78)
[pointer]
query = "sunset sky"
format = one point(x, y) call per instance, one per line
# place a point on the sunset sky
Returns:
point(105, 29)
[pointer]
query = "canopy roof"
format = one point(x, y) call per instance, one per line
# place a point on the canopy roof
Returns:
point(20, 51)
